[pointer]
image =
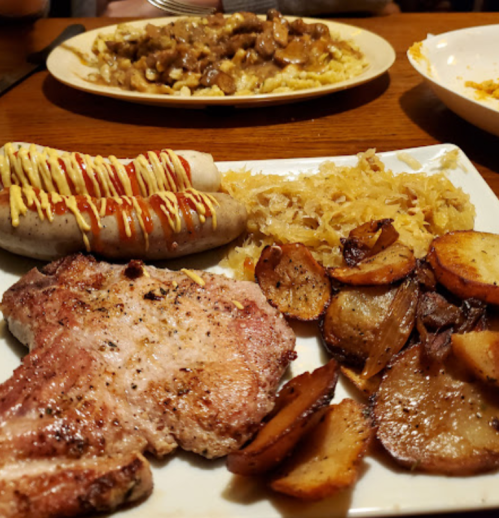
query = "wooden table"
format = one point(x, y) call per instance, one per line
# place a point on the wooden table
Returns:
point(393, 112)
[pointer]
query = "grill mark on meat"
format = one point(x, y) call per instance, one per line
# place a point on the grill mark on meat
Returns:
point(124, 362)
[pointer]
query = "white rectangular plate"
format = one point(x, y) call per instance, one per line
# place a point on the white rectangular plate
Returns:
point(190, 487)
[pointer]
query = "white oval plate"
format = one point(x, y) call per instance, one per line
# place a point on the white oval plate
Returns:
point(187, 486)
point(68, 68)
point(448, 60)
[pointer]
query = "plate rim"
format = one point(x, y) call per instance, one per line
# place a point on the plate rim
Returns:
point(160, 496)
point(389, 57)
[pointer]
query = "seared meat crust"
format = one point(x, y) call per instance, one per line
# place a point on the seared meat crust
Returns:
point(73, 488)
point(127, 359)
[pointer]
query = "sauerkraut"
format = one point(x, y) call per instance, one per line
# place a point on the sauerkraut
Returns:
point(319, 209)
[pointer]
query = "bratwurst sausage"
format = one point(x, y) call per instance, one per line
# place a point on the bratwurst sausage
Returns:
point(52, 205)
point(67, 173)
point(159, 227)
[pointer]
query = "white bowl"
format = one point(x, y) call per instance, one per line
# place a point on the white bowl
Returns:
point(447, 61)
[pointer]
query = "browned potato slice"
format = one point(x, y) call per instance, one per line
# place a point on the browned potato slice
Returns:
point(293, 281)
point(467, 263)
point(432, 418)
point(303, 401)
point(352, 320)
point(479, 351)
point(367, 387)
point(390, 265)
point(329, 457)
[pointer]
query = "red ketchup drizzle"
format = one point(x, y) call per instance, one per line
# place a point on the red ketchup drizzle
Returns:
point(59, 208)
point(62, 165)
point(199, 199)
point(132, 175)
point(125, 210)
point(120, 190)
point(113, 208)
point(86, 175)
point(146, 215)
point(172, 171)
point(83, 205)
point(156, 203)
point(187, 167)
point(89, 176)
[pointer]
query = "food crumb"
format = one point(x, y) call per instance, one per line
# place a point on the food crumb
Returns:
point(450, 160)
point(408, 159)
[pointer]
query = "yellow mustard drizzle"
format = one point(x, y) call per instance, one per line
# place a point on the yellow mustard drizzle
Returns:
point(194, 276)
point(94, 209)
point(32, 199)
point(25, 169)
point(200, 202)
point(103, 205)
point(17, 205)
point(138, 211)
point(22, 198)
point(45, 205)
point(42, 170)
point(124, 216)
point(171, 211)
point(70, 202)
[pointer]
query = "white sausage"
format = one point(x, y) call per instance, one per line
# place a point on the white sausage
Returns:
point(53, 203)
point(205, 175)
point(49, 240)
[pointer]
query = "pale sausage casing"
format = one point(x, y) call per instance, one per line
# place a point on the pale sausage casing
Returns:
point(47, 240)
point(42, 167)
point(76, 214)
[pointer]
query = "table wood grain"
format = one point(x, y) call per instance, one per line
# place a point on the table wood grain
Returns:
point(392, 112)
point(395, 111)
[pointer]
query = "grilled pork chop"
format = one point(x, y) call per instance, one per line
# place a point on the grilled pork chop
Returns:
point(125, 360)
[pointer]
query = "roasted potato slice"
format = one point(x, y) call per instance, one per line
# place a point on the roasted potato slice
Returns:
point(293, 281)
point(366, 327)
point(328, 458)
point(467, 264)
point(431, 417)
point(303, 401)
point(479, 351)
point(388, 266)
point(351, 322)
point(367, 387)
